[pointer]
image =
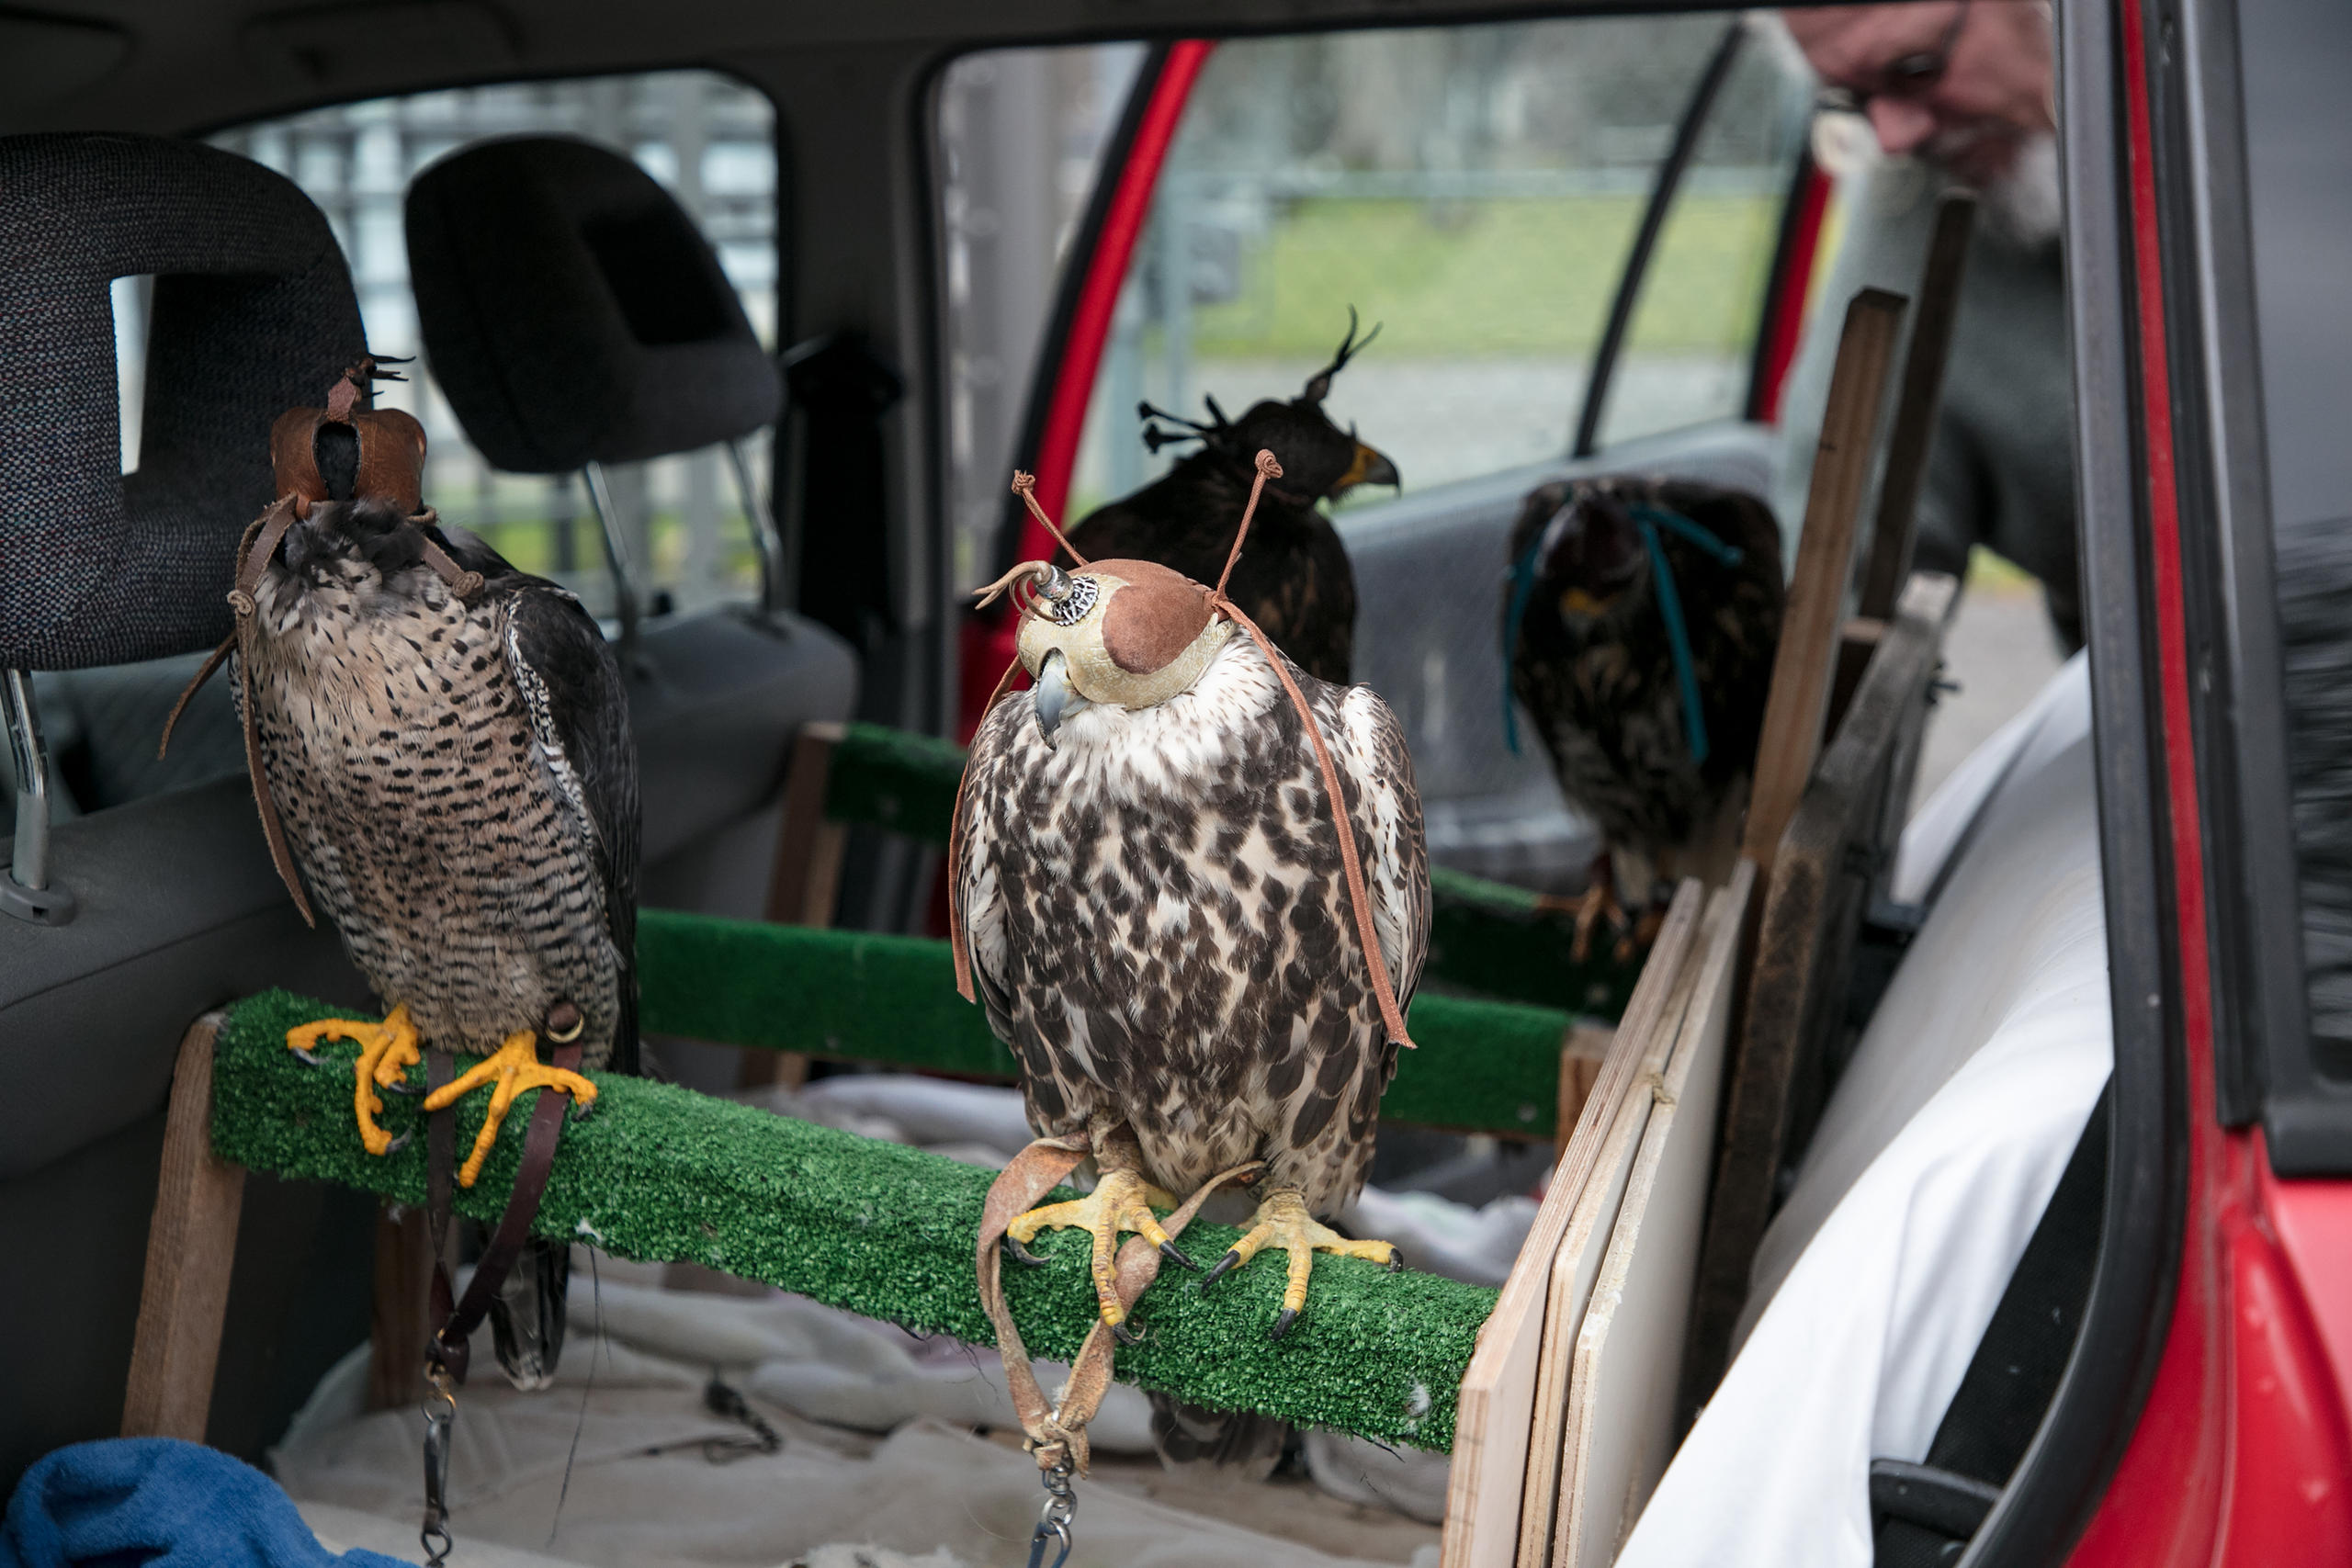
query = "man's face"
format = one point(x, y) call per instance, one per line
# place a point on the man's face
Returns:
point(1993, 97)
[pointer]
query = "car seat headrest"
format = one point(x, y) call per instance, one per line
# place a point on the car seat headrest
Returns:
point(571, 312)
point(253, 310)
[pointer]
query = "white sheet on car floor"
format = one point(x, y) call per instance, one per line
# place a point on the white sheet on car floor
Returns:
point(941, 1497)
point(924, 1486)
point(1934, 1161)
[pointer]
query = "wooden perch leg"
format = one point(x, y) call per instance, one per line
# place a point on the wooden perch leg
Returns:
point(191, 1251)
point(805, 881)
point(399, 1319)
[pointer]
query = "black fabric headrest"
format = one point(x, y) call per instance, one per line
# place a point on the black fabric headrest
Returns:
point(573, 312)
point(253, 312)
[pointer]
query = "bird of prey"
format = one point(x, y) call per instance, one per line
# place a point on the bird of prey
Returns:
point(1295, 580)
point(1640, 621)
point(442, 744)
point(1150, 890)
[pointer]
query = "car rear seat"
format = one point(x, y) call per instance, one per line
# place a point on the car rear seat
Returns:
point(573, 316)
point(175, 907)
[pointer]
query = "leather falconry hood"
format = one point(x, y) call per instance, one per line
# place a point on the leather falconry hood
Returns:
point(391, 447)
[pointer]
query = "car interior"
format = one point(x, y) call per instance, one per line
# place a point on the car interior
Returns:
point(733, 319)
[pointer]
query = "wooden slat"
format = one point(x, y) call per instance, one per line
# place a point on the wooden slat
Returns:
point(1577, 1262)
point(1911, 440)
point(1802, 667)
point(1621, 1423)
point(1912, 437)
point(1497, 1396)
point(1582, 1055)
point(1797, 977)
point(191, 1252)
point(804, 885)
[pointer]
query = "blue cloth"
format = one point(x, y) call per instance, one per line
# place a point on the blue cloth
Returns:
point(158, 1502)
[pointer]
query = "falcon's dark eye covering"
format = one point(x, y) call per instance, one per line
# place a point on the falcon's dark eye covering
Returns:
point(335, 449)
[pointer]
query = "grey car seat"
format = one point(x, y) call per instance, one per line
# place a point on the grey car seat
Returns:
point(574, 317)
point(155, 910)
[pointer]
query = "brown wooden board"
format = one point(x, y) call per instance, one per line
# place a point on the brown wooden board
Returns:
point(191, 1252)
point(1805, 662)
point(1620, 1425)
point(1887, 562)
point(1831, 855)
point(803, 885)
point(1498, 1395)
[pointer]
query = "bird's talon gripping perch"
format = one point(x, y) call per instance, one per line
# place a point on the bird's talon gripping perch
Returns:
point(1122, 1201)
point(1021, 1254)
point(1283, 1221)
point(1177, 1256)
point(1125, 1334)
point(514, 1067)
point(386, 1050)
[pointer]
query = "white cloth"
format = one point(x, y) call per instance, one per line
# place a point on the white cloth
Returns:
point(1933, 1162)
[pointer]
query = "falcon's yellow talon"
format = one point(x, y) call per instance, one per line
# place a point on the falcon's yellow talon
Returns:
point(1283, 1221)
point(516, 1066)
point(1120, 1202)
point(386, 1050)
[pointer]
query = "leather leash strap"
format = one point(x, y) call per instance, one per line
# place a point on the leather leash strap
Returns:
point(1056, 1431)
point(451, 1346)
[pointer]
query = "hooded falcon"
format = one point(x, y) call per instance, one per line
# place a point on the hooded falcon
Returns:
point(1295, 580)
point(1151, 889)
point(1640, 621)
point(441, 743)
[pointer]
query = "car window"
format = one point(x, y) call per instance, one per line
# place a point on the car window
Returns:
point(1690, 352)
point(711, 140)
point(1473, 191)
point(1021, 133)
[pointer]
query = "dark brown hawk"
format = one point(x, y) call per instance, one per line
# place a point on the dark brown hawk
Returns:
point(1293, 580)
point(1149, 876)
point(1639, 625)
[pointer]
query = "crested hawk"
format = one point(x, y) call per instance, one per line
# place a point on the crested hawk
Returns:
point(1149, 883)
point(1640, 621)
point(1295, 580)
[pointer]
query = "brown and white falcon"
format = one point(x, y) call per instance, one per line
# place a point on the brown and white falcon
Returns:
point(1149, 876)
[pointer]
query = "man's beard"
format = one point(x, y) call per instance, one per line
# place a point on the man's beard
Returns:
point(2021, 201)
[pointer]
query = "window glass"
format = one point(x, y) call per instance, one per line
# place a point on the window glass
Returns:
point(1020, 135)
point(1691, 346)
point(1473, 190)
point(711, 140)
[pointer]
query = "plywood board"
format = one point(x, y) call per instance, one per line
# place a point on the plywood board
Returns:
point(1621, 1416)
point(1497, 1399)
point(1578, 1263)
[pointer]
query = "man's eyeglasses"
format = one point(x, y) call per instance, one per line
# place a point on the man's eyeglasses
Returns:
point(1910, 75)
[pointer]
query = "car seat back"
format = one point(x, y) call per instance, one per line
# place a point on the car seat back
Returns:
point(173, 907)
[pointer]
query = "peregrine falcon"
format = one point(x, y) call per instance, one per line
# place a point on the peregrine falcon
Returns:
point(1640, 621)
point(1149, 885)
point(445, 740)
point(1295, 580)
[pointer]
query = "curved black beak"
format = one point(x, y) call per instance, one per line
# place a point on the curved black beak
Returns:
point(1370, 467)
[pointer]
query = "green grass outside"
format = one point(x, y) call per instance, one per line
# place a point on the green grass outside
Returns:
point(1493, 277)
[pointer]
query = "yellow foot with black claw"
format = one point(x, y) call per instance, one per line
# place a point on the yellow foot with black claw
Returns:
point(1281, 1220)
point(386, 1050)
point(514, 1067)
point(1121, 1202)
